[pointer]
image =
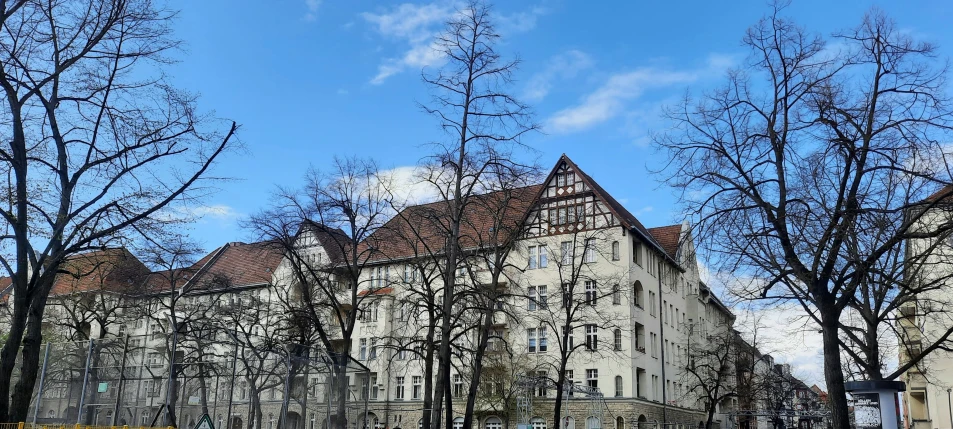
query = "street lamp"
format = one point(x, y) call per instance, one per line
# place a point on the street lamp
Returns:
point(949, 404)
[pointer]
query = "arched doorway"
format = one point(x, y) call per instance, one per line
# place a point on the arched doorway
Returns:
point(236, 423)
point(568, 423)
point(642, 421)
point(294, 421)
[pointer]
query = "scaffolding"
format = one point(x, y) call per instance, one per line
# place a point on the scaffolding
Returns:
point(814, 418)
point(528, 385)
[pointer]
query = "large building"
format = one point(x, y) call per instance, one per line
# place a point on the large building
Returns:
point(637, 309)
point(925, 321)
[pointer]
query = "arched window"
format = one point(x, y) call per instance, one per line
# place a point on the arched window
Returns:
point(615, 250)
point(637, 295)
point(616, 295)
point(51, 414)
point(458, 423)
point(271, 421)
point(420, 424)
point(311, 423)
point(569, 423)
point(493, 423)
point(537, 423)
point(619, 422)
point(617, 336)
point(593, 423)
point(618, 386)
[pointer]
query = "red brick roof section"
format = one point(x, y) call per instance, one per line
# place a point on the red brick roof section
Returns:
point(668, 237)
point(946, 193)
point(236, 264)
point(416, 231)
point(381, 291)
point(112, 270)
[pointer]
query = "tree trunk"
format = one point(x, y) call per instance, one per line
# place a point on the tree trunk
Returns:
point(477, 368)
point(428, 377)
point(833, 371)
point(8, 355)
point(30, 365)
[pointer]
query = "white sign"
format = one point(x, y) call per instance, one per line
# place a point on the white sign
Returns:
point(205, 422)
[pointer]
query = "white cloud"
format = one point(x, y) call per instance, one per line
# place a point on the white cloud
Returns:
point(785, 334)
point(406, 187)
point(520, 22)
point(417, 25)
point(563, 66)
point(313, 6)
point(217, 212)
point(610, 99)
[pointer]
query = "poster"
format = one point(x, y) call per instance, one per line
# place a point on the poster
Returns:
point(867, 411)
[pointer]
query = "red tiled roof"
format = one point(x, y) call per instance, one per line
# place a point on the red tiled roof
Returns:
point(114, 270)
point(381, 291)
point(236, 264)
point(419, 230)
point(946, 193)
point(336, 243)
point(668, 237)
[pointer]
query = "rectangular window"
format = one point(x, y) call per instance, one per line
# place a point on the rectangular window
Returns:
point(615, 251)
point(416, 387)
point(542, 297)
point(654, 340)
point(592, 337)
point(532, 302)
point(533, 258)
point(561, 179)
point(457, 386)
point(374, 386)
point(618, 386)
point(565, 252)
point(373, 351)
point(590, 254)
point(542, 390)
point(536, 339)
point(592, 378)
point(562, 216)
point(569, 339)
point(400, 388)
point(637, 253)
point(362, 349)
point(653, 307)
point(616, 295)
point(402, 353)
point(543, 256)
point(591, 293)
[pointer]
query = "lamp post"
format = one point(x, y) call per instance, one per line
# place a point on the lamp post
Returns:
point(950, 405)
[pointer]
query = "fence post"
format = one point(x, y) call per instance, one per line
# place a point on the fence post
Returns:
point(82, 394)
point(122, 374)
point(39, 391)
point(20, 425)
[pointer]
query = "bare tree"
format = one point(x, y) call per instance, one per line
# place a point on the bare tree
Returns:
point(98, 141)
point(710, 371)
point(570, 312)
point(484, 125)
point(808, 170)
point(324, 233)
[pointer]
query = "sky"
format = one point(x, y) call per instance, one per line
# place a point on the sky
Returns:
point(308, 80)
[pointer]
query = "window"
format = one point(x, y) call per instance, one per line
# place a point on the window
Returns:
point(458, 423)
point(619, 422)
point(536, 338)
point(654, 338)
point(362, 349)
point(615, 251)
point(493, 423)
point(637, 253)
point(402, 353)
point(400, 388)
point(458, 386)
point(592, 337)
point(416, 386)
point(618, 386)
point(537, 423)
point(569, 338)
point(374, 385)
point(637, 295)
point(542, 390)
point(373, 352)
point(591, 296)
point(653, 307)
point(593, 423)
point(589, 256)
point(592, 378)
point(565, 252)
point(617, 336)
point(616, 295)
point(538, 298)
point(538, 257)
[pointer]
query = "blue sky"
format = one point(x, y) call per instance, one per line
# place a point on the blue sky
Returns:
point(310, 79)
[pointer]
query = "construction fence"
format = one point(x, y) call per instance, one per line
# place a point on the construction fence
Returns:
point(163, 380)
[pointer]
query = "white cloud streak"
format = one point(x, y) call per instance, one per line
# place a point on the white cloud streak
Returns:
point(560, 67)
point(611, 99)
point(313, 6)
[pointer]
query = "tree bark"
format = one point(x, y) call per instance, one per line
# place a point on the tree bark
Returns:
point(833, 371)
